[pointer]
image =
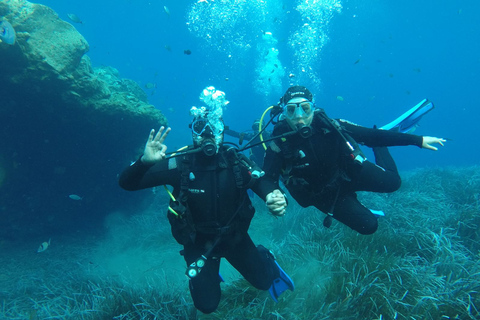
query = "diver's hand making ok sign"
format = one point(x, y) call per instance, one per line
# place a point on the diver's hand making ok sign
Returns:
point(154, 148)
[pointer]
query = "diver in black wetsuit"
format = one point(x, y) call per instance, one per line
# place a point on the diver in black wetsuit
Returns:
point(321, 164)
point(210, 211)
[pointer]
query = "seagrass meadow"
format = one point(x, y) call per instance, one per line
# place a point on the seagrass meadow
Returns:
point(422, 263)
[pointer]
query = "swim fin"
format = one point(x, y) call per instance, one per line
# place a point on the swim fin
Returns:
point(408, 121)
point(378, 213)
point(279, 285)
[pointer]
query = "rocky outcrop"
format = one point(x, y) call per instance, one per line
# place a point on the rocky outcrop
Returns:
point(65, 127)
point(49, 56)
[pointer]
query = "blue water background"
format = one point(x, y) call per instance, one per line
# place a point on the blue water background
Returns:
point(382, 57)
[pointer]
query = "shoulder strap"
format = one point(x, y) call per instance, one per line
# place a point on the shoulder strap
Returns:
point(351, 146)
point(184, 178)
point(237, 161)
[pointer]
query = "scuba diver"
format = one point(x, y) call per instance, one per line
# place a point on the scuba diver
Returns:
point(321, 164)
point(210, 211)
point(257, 152)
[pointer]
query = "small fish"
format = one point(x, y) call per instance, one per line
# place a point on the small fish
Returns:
point(7, 33)
point(167, 11)
point(74, 18)
point(187, 52)
point(291, 75)
point(340, 98)
point(44, 246)
point(75, 197)
point(150, 85)
point(358, 60)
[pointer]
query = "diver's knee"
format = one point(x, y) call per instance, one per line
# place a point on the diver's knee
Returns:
point(205, 299)
point(369, 227)
point(204, 304)
point(393, 184)
point(206, 308)
point(397, 183)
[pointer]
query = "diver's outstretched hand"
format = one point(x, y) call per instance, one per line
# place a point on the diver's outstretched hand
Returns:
point(428, 141)
point(276, 203)
point(154, 148)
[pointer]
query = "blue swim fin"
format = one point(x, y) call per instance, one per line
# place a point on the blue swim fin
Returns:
point(279, 285)
point(408, 121)
point(378, 213)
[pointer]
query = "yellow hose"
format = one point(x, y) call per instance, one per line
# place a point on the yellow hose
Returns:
point(260, 125)
point(168, 191)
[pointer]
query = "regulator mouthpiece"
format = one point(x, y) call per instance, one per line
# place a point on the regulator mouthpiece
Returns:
point(209, 147)
point(305, 131)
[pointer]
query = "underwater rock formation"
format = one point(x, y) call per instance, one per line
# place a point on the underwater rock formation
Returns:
point(65, 127)
point(49, 57)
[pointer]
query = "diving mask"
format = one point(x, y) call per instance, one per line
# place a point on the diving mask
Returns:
point(207, 134)
point(199, 126)
point(300, 109)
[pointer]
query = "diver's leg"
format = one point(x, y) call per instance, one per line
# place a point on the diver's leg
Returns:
point(205, 287)
point(349, 211)
point(258, 266)
point(380, 177)
point(384, 159)
point(255, 265)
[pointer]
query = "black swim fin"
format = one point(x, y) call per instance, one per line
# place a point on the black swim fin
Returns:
point(281, 284)
point(408, 121)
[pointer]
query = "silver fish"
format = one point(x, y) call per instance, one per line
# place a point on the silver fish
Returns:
point(75, 197)
point(44, 246)
point(7, 33)
point(74, 18)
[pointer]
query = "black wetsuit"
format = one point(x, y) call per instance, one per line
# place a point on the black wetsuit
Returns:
point(218, 204)
point(319, 170)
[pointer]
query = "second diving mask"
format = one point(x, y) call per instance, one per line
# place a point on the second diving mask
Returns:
point(298, 109)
